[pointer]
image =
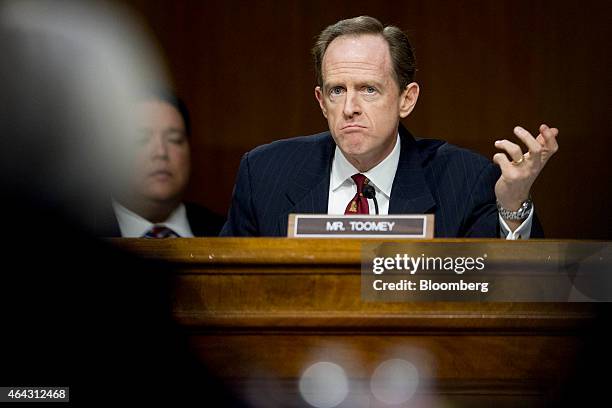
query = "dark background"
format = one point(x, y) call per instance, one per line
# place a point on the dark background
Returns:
point(245, 71)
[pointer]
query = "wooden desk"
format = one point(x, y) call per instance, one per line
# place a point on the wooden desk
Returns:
point(260, 311)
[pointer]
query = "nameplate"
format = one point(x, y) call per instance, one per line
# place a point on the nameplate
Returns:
point(360, 226)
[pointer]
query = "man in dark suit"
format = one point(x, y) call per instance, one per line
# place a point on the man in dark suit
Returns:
point(365, 75)
point(150, 202)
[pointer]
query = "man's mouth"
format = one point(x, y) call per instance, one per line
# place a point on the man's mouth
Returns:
point(160, 173)
point(352, 126)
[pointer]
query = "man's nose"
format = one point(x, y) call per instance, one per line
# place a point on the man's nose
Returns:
point(351, 104)
point(159, 148)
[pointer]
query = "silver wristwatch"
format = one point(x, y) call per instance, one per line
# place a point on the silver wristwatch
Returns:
point(519, 215)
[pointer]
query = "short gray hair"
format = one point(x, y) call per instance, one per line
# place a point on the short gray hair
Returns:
point(402, 55)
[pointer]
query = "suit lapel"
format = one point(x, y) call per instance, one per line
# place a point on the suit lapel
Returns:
point(410, 193)
point(308, 193)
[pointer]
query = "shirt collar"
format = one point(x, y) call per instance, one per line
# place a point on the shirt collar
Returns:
point(133, 225)
point(381, 176)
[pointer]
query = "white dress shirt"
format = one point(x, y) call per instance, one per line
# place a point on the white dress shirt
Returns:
point(342, 189)
point(133, 225)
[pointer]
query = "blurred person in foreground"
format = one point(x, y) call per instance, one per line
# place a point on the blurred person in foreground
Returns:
point(76, 311)
point(365, 86)
point(150, 203)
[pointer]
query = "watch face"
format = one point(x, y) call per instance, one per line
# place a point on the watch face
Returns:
point(525, 209)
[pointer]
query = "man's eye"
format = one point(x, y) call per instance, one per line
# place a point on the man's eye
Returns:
point(336, 90)
point(370, 89)
point(176, 138)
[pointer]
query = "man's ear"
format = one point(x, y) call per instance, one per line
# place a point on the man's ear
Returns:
point(408, 99)
point(319, 96)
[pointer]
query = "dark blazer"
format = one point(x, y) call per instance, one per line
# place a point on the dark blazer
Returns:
point(203, 222)
point(292, 176)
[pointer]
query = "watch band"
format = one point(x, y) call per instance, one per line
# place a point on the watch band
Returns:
point(519, 215)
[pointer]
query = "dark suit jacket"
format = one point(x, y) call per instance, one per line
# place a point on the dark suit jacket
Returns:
point(203, 222)
point(292, 176)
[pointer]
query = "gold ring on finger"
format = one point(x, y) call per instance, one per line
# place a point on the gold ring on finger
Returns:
point(521, 160)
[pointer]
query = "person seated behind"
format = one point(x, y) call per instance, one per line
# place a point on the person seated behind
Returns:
point(150, 202)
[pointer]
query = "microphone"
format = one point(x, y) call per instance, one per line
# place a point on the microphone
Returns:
point(369, 192)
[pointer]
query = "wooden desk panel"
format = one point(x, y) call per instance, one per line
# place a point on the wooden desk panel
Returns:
point(259, 311)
